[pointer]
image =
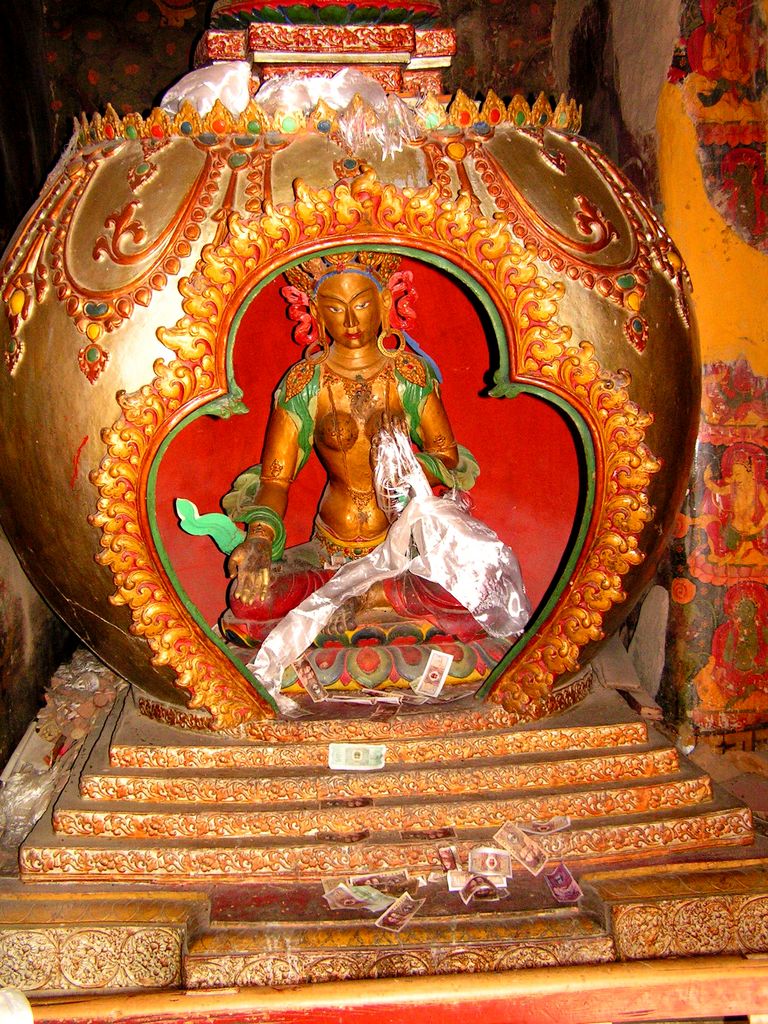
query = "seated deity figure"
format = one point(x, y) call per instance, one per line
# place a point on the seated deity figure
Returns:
point(394, 557)
point(357, 377)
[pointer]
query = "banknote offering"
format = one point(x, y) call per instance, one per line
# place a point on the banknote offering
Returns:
point(357, 897)
point(564, 886)
point(544, 828)
point(310, 682)
point(346, 801)
point(449, 857)
point(486, 860)
point(396, 917)
point(342, 837)
point(522, 847)
point(458, 879)
point(431, 681)
point(478, 888)
point(384, 880)
point(428, 834)
point(385, 710)
point(356, 757)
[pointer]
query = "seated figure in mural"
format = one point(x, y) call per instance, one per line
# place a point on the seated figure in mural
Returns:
point(357, 376)
point(736, 517)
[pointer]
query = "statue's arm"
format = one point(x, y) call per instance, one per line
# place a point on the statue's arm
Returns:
point(437, 435)
point(250, 562)
point(279, 459)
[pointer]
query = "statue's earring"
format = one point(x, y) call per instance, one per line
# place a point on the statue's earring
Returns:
point(399, 342)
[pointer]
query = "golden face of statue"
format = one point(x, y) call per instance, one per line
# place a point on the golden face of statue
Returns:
point(351, 309)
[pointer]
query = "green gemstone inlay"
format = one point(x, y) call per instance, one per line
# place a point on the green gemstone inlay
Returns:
point(142, 168)
point(289, 124)
point(92, 354)
point(253, 127)
point(237, 160)
point(130, 132)
point(626, 281)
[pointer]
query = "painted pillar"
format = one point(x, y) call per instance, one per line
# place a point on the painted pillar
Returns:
point(712, 120)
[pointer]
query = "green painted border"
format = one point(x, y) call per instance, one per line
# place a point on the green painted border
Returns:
point(232, 404)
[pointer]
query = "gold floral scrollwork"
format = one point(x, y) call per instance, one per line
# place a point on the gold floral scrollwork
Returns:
point(542, 352)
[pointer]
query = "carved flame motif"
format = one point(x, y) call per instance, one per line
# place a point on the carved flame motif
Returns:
point(541, 350)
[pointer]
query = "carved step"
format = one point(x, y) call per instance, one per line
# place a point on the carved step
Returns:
point(443, 938)
point(435, 780)
point(682, 910)
point(45, 853)
point(167, 822)
point(145, 744)
point(54, 942)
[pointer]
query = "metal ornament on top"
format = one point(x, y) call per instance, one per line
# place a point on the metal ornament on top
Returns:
point(131, 275)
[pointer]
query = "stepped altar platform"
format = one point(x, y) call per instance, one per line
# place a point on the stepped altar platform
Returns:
point(174, 859)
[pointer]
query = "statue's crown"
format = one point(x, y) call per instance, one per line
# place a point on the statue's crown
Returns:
point(377, 265)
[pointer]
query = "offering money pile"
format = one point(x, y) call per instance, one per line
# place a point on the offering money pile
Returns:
point(367, 892)
point(489, 867)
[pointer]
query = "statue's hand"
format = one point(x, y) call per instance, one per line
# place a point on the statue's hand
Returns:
point(387, 425)
point(251, 562)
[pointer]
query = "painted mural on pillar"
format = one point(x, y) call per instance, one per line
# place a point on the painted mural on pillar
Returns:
point(719, 559)
point(721, 61)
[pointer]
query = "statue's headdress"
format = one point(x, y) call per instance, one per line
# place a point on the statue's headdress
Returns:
point(377, 266)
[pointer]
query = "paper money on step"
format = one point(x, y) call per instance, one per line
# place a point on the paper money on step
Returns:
point(357, 897)
point(522, 847)
point(396, 917)
point(449, 857)
point(486, 860)
point(544, 828)
point(564, 886)
point(478, 887)
point(430, 682)
point(356, 757)
point(428, 834)
point(458, 879)
point(346, 801)
point(384, 880)
point(345, 838)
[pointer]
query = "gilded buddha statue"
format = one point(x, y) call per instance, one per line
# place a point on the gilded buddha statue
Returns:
point(356, 376)
point(362, 382)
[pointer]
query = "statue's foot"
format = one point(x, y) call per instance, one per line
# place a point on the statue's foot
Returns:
point(346, 617)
